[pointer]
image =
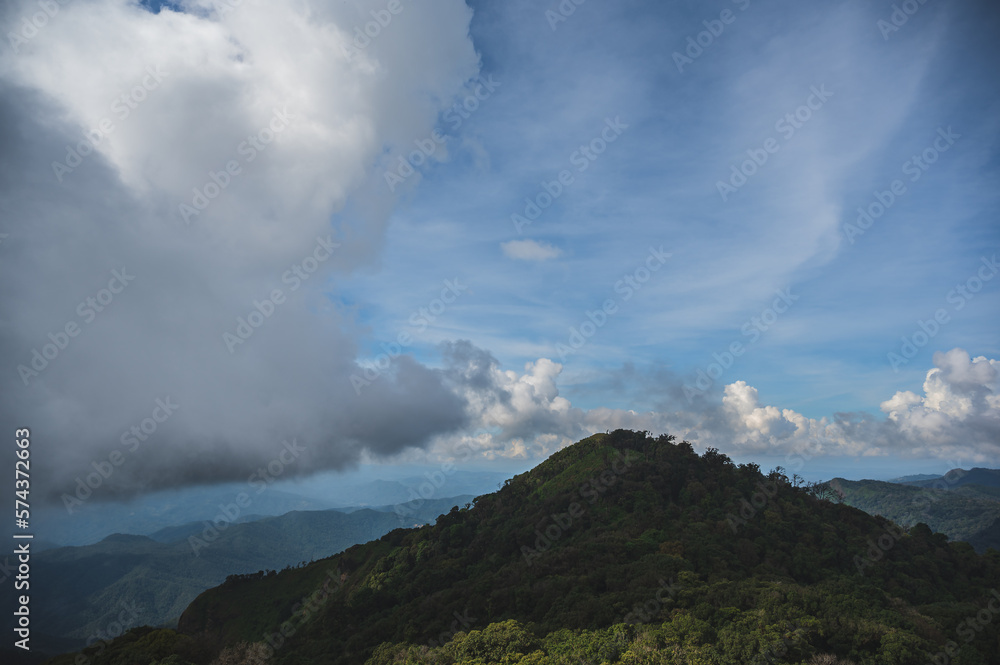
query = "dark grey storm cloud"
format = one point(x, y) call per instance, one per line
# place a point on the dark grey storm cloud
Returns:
point(159, 348)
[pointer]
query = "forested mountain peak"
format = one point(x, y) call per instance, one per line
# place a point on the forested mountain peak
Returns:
point(620, 548)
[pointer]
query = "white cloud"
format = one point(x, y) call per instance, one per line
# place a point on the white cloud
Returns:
point(529, 250)
point(959, 412)
point(958, 417)
point(222, 80)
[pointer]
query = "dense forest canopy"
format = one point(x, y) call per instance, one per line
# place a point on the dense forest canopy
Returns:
point(622, 548)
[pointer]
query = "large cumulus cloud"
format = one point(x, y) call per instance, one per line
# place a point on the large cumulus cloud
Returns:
point(204, 90)
point(956, 417)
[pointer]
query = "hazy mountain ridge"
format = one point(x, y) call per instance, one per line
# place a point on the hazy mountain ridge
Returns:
point(960, 477)
point(81, 590)
point(952, 504)
point(94, 521)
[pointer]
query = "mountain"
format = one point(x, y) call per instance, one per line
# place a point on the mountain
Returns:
point(172, 534)
point(134, 580)
point(959, 477)
point(987, 538)
point(89, 521)
point(92, 521)
point(959, 514)
point(621, 548)
point(913, 478)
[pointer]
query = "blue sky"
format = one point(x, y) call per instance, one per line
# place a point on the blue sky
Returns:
point(784, 229)
point(704, 209)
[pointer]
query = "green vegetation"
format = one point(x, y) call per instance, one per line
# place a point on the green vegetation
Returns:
point(126, 581)
point(619, 549)
point(960, 513)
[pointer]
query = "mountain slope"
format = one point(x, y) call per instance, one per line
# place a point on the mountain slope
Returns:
point(959, 477)
point(726, 563)
point(82, 590)
point(959, 514)
point(91, 522)
point(987, 538)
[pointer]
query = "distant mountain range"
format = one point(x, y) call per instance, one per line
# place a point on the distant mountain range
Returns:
point(94, 520)
point(959, 478)
point(962, 504)
point(148, 580)
point(910, 479)
point(620, 549)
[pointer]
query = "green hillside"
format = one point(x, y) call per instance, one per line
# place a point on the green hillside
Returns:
point(619, 549)
point(83, 590)
point(960, 514)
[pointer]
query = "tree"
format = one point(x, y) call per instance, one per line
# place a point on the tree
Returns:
point(244, 653)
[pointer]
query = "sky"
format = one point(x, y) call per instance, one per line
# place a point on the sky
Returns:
point(392, 232)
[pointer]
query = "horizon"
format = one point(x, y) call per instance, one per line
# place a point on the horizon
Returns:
point(236, 237)
point(322, 489)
